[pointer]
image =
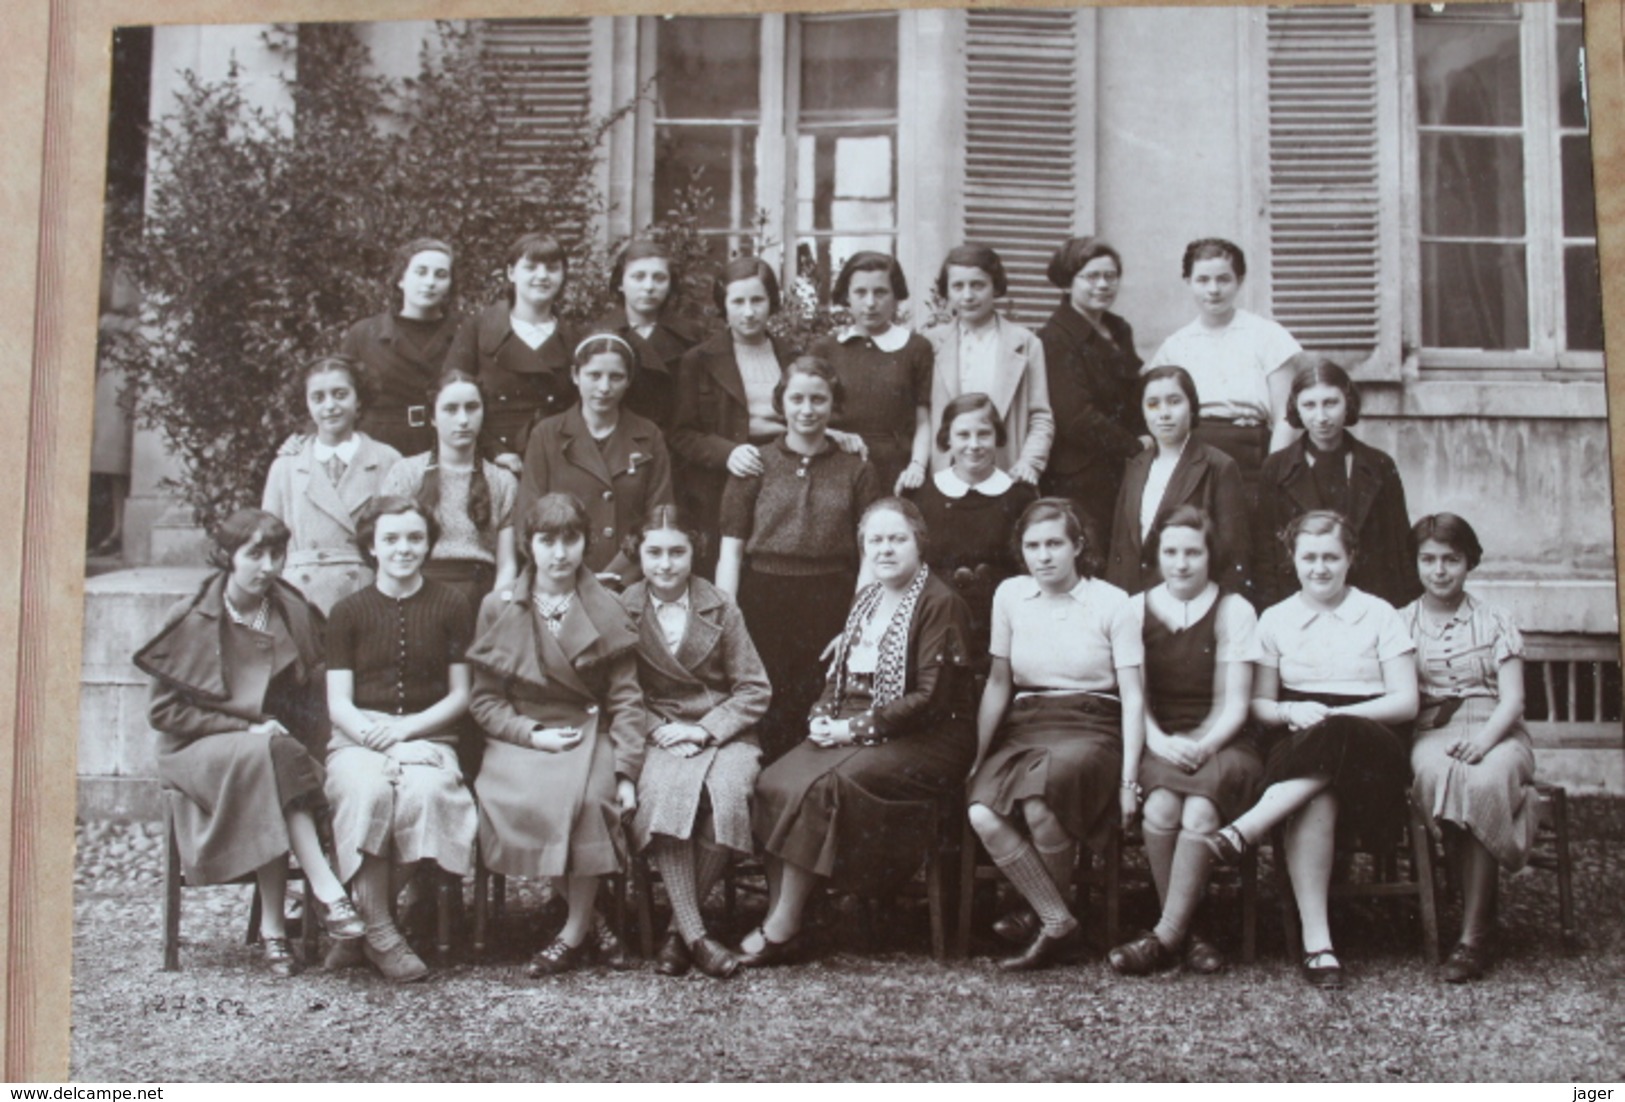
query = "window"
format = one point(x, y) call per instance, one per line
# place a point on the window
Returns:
point(1506, 216)
point(786, 125)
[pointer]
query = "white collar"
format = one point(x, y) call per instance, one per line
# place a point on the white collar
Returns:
point(1077, 592)
point(533, 333)
point(891, 340)
point(345, 451)
point(1353, 609)
point(951, 485)
point(659, 603)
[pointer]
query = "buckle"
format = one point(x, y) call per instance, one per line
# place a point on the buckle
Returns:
point(417, 417)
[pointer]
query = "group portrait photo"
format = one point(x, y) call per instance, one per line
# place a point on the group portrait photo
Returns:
point(1054, 544)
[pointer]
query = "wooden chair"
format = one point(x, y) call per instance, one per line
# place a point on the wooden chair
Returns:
point(175, 880)
point(491, 894)
point(1551, 853)
point(924, 826)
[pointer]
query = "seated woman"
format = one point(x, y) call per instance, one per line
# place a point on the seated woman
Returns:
point(705, 689)
point(556, 691)
point(1198, 770)
point(1067, 648)
point(970, 508)
point(1337, 683)
point(238, 704)
point(893, 725)
point(397, 691)
point(1472, 757)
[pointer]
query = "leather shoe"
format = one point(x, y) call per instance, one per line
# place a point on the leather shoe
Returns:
point(1045, 950)
point(390, 954)
point(1141, 957)
point(607, 947)
point(712, 958)
point(559, 957)
point(1465, 962)
point(1019, 927)
point(339, 919)
point(673, 958)
point(1227, 845)
point(1327, 977)
point(344, 954)
point(279, 958)
point(1202, 956)
point(772, 952)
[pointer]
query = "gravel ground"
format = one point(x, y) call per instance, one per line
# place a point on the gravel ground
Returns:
point(860, 1010)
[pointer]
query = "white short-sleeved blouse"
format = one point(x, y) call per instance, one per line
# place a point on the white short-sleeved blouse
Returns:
point(1231, 366)
point(1074, 641)
point(1339, 651)
point(1463, 656)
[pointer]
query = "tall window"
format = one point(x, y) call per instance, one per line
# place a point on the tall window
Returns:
point(786, 125)
point(1507, 214)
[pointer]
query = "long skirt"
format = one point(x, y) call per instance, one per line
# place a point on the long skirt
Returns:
point(1229, 778)
point(228, 796)
point(544, 814)
point(791, 619)
point(843, 812)
point(1066, 749)
point(1495, 799)
point(401, 813)
point(673, 790)
point(1365, 761)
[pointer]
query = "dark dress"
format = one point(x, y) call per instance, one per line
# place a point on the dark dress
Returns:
point(970, 545)
point(404, 358)
point(1179, 669)
point(884, 392)
point(1093, 391)
point(522, 384)
point(835, 811)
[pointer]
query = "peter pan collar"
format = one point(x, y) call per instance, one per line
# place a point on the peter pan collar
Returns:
point(951, 485)
point(891, 340)
point(1354, 608)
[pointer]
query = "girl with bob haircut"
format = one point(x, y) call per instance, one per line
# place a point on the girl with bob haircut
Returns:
point(556, 692)
point(320, 489)
point(885, 369)
point(705, 689)
point(520, 349)
point(471, 499)
point(1238, 359)
point(1060, 727)
point(1092, 370)
point(238, 703)
point(1472, 761)
point(971, 507)
point(404, 348)
point(648, 281)
point(892, 726)
point(610, 459)
point(397, 692)
point(1199, 769)
point(788, 553)
point(1336, 688)
point(980, 351)
point(1327, 468)
point(1177, 470)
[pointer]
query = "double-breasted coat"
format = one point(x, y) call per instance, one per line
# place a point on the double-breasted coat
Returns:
point(714, 679)
point(653, 393)
point(403, 372)
point(1020, 392)
point(618, 480)
point(522, 384)
point(324, 562)
point(1384, 565)
point(1203, 476)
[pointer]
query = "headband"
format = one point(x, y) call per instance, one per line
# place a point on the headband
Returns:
point(631, 356)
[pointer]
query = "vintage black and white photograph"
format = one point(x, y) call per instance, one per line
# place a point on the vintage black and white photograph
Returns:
point(1037, 544)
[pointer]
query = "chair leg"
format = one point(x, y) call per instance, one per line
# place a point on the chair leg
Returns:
point(1113, 875)
point(444, 882)
point(1559, 799)
point(933, 897)
point(1426, 886)
point(1249, 906)
point(1289, 902)
point(482, 878)
point(643, 893)
point(172, 895)
point(967, 890)
point(255, 906)
point(309, 927)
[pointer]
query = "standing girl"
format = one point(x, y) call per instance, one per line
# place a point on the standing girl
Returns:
point(789, 555)
point(472, 500)
point(885, 370)
point(649, 284)
point(319, 492)
point(405, 348)
point(610, 459)
point(1327, 468)
point(397, 692)
point(519, 349)
point(1237, 359)
point(980, 351)
point(1177, 470)
point(705, 689)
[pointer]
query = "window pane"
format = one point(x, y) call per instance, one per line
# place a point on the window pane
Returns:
point(1472, 185)
point(1467, 73)
point(708, 68)
point(1571, 107)
point(1579, 198)
point(713, 166)
point(1475, 296)
point(1582, 295)
point(848, 67)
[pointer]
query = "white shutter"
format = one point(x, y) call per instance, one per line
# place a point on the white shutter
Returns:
point(1021, 143)
point(546, 67)
point(1332, 106)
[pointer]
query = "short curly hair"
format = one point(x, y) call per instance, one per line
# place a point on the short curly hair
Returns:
point(391, 505)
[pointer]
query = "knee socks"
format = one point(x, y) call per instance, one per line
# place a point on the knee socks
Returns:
point(1187, 885)
point(675, 860)
point(1027, 873)
point(1159, 854)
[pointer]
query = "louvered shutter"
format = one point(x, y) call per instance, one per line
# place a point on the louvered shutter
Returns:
point(1332, 93)
point(547, 71)
point(1021, 143)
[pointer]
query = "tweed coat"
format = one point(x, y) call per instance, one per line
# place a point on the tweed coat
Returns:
point(1021, 392)
point(1205, 477)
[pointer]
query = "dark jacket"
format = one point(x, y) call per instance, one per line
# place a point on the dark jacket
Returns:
point(522, 385)
point(399, 415)
point(1385, 564)
point(1204, 477)
point(618, 482)
point(653, 393)
point(1093, 391)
